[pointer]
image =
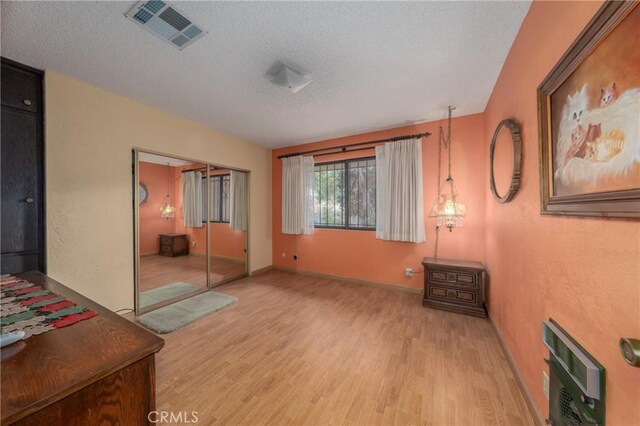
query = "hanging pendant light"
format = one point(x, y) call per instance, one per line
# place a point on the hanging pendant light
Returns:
point(448, 209)
point(166, 209)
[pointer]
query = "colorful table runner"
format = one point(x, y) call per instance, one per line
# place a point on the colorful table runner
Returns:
point(28, 307)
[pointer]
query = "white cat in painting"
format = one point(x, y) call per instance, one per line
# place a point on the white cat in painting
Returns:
point(577, 104)
point(574, 113)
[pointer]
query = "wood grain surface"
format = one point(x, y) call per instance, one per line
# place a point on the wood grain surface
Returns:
point(299, 349)
point(46, 368)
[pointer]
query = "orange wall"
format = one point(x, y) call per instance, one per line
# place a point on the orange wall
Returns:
point(226, 242)
point(583, 272)
point(156, 179)
point(340, 252)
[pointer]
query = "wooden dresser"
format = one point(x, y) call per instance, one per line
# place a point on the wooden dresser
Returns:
point(174, 245)
point(97, 371)
point(454, 285)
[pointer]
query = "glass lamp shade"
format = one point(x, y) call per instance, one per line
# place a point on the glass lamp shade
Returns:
point(449, 211)
point(167, 210)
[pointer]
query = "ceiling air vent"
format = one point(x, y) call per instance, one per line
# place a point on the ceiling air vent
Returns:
point(167, 22)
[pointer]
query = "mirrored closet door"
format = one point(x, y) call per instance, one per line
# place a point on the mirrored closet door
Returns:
point(227, 225)
point(191, 227)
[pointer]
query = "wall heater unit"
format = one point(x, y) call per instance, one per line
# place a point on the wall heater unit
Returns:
point(576, 381)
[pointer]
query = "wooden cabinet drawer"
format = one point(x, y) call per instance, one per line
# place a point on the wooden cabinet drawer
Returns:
point(455, 277)
point(454, 285)
point(174, 245)
point(454, 294)
point(20, 89)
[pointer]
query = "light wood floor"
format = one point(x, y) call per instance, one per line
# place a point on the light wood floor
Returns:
point(156, 270)
point(306, 350)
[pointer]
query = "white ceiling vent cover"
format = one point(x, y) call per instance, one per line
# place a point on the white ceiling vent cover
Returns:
point(167, 22)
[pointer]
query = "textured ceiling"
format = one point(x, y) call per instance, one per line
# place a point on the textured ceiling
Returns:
point(375, 65)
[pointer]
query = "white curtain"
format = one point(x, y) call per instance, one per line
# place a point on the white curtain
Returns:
point(238, 201)
point(297, 195)
point(399, 195)
point(192, 203)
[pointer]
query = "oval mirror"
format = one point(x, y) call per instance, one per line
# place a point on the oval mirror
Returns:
point(505, 156)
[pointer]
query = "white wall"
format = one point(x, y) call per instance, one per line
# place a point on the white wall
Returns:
point(89, 134)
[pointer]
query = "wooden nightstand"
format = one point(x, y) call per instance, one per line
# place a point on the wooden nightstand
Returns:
point(174, 245)
point(454, 285)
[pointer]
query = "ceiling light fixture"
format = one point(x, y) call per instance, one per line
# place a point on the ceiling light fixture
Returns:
point(285, 76)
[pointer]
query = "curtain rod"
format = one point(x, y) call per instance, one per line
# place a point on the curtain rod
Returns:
point(343, 148)
point(204, 168)
point(193, 170)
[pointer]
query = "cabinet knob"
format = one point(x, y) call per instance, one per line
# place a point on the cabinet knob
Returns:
point(451, 293)
point(27, 102)
point(630, 349)
point(28, 200)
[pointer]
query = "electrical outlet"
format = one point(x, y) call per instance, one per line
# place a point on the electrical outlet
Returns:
point(284, 254)
point(545, 384)
point(408, 272)
point(193, 243)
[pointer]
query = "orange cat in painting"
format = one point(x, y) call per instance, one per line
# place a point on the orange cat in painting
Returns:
point(582, 142)
point(608, 95)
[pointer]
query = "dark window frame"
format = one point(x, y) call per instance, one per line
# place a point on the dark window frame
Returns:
point(346, 225)
point(221, 208)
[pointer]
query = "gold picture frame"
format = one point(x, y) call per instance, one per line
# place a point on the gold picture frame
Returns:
point(589, 136)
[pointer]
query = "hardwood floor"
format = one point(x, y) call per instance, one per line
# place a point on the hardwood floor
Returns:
point(156, 270)
point(298, 349)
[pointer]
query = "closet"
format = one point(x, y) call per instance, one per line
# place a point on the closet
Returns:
point(22, 169)
point(191, 222)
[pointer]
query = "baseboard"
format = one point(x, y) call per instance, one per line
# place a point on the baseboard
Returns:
point(533, 410)
point(351, 280)
point(262, 270)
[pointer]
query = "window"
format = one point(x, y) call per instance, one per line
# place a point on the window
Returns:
point(345, 194)
point(218, 198)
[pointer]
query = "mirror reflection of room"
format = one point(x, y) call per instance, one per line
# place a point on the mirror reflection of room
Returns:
point(227, 224)
point(172, 260)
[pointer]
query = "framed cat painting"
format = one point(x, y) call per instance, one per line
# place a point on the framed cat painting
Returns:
point(589, 118)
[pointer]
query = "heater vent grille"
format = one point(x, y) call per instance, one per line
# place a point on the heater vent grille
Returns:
point(143, 16)
point(173, 18)
point(154, 5)
point(569, 410)
point(180, 40)
point(166, 22)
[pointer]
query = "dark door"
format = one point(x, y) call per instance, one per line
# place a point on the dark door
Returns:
point(21, 171)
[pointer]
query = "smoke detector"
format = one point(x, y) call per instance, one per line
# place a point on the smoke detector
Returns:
point(286, 76)
point(166, 22)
